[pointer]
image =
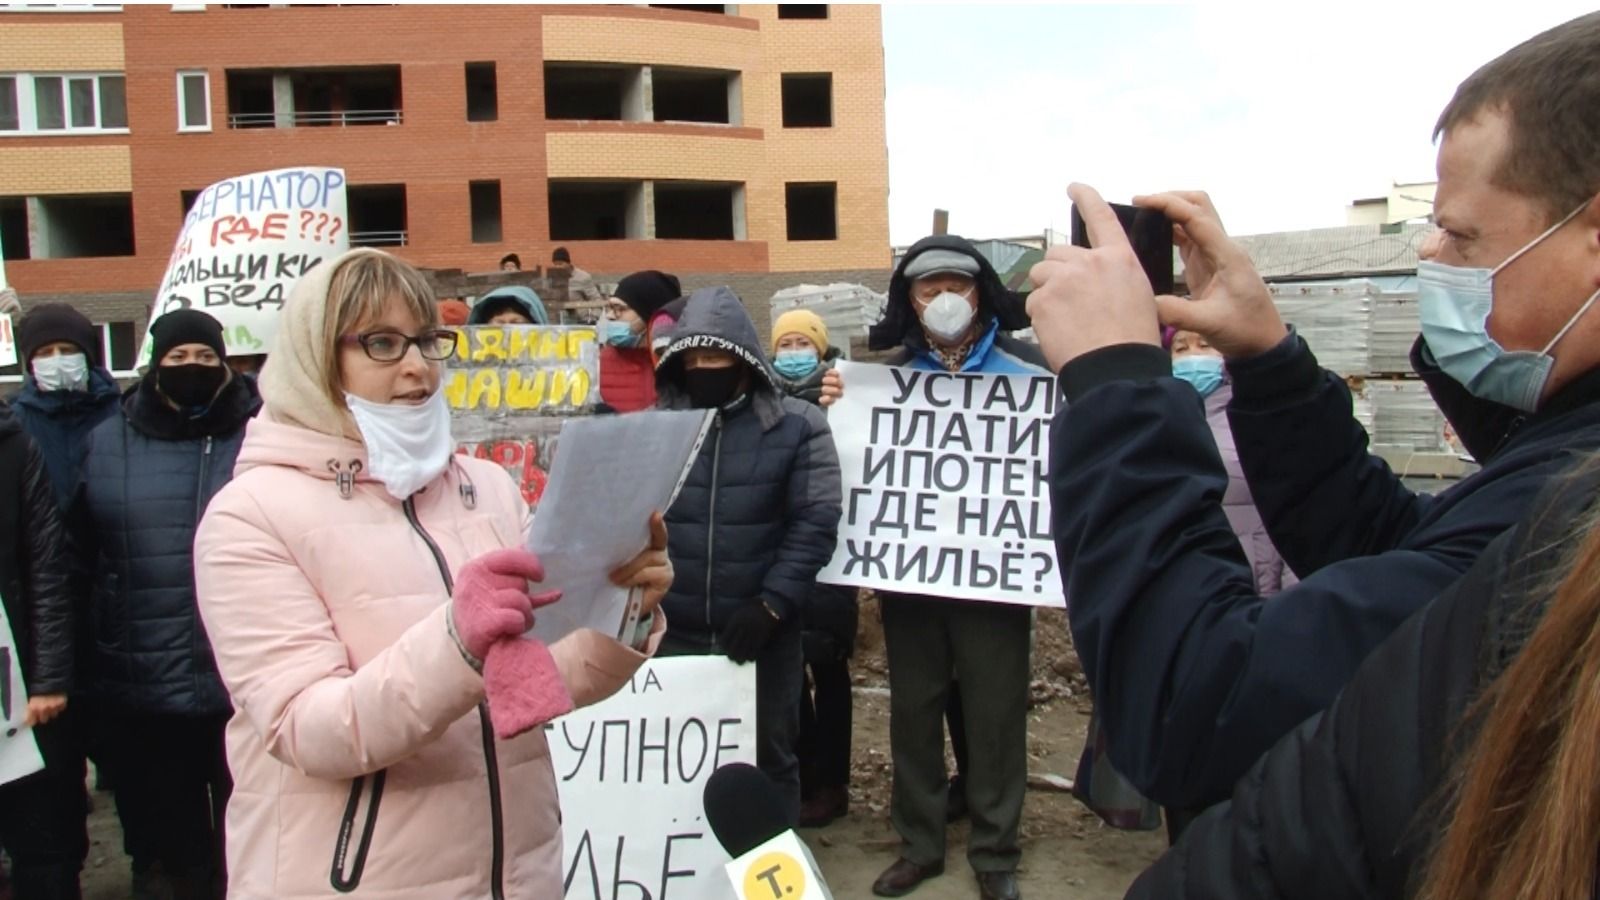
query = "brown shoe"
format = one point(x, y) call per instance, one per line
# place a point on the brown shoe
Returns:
point(903, 877)
point(998, 886)
point(828, 804)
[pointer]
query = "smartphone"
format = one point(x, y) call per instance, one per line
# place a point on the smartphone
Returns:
point(1150, 233)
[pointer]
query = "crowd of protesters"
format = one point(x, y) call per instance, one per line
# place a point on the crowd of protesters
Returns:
point(1325, 682)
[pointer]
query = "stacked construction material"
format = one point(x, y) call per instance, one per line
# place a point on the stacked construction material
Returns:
point(1335, 319)
point(847, 309)
point(1395, 327)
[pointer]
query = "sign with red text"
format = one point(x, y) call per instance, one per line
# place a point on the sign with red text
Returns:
point(511, 386)
point(632, 773)
point(945, 488)
point(243, 245)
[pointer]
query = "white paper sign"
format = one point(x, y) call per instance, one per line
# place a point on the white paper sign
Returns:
point(8, 341)
point(945, 488)
point(632, 773)
point(244, 244)
point(19, 752)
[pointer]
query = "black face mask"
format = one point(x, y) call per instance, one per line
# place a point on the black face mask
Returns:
point(191, 386)
point(713, 388)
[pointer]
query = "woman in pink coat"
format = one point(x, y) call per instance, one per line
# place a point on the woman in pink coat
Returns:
point(354, 578)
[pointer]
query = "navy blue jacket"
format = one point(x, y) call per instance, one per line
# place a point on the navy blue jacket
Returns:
point(149, 475)
point(1195, 674)
point(759, 514)
point(60, 423)
point(1350, 801)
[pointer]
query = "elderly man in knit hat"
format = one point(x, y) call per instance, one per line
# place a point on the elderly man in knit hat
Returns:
point(627, 369)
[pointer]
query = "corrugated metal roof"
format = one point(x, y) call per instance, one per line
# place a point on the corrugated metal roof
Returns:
point(1350, 251)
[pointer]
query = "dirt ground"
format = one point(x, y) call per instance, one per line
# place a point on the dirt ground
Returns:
point(1067, 852)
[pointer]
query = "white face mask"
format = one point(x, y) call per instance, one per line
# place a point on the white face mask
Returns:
point(948, 316)
point(66, 372)
point(408, 445)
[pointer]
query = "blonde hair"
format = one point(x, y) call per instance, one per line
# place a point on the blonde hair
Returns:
point(360, 291)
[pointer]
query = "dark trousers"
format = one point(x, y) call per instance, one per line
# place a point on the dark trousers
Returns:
point(43, 817)
point(779, 679)
point(171, 782)
point(825, 725)
point(983, 647)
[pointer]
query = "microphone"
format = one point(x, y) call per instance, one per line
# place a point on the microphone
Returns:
point(747, 814)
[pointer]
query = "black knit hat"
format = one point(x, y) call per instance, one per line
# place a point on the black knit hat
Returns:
point(51, 322)
point(185, 326)
point(646, 292)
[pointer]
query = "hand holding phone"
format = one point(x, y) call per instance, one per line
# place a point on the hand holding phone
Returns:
point(1087, 299)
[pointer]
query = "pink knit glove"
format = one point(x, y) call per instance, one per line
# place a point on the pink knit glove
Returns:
point(492, 602)
point(523, 685)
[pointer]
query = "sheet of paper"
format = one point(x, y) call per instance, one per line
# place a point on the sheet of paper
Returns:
point(19, 752)
point(610, 473)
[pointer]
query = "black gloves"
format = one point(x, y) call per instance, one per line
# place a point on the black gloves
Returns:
point(748, 631)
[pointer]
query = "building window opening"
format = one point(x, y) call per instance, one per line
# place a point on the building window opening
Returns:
point(812, 209)
point(368, 95)
point(691, 95)
point(483, 93)
point(68, 227)
point(14, 228)
point(692, 211)
point(712, 8)
point(597, 93)
point(485, 201)
point(377, 215)
point(808, 100)
point(595, 210)
point(802, 10)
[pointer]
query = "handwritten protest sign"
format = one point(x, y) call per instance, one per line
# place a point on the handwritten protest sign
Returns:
point(945, 489)
point(8, 341)
point(509, 388)
point(632, 773)
point(243, 245)
point(19, 752)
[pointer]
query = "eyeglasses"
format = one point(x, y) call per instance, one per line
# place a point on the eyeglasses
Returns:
point(392, 346)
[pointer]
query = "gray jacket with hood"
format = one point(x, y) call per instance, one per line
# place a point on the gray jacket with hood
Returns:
point(759, 514)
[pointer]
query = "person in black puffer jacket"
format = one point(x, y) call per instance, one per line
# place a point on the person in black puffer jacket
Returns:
point(756, 520)
point(42, 815)
point(161, 706)
point(801, 357)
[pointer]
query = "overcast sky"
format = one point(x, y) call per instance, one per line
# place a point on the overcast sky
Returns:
point(1285, 112)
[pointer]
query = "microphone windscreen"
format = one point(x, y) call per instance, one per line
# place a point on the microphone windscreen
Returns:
point(744, 808)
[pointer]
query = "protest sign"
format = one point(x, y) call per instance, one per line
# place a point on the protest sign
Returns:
point(944, 485)
point(8, 341)
point(631, 772)
point(19, 752)
point(510, 387)
point(243, 245)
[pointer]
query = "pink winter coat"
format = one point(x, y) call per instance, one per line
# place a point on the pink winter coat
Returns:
point(362, 759)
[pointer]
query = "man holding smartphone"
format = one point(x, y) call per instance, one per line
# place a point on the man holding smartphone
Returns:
point(1195, 674)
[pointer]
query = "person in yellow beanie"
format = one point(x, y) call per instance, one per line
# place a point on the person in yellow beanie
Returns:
point(801, 355)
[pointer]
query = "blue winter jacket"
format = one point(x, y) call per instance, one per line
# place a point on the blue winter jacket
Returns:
point(149, 474)
point(759, 514)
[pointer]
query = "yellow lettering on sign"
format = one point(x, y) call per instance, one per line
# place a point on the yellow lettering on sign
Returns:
point(525, 392)
point(491, 345)
point(455, 389)
point(485, 390)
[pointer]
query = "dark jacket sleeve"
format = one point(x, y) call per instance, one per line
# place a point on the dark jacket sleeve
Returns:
point(1348, 804)
point(48, 583)
point(1301, 448)
point(1194, 673)
point(815, 504)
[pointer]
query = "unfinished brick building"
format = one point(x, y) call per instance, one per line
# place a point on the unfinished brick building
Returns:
point(740, 143)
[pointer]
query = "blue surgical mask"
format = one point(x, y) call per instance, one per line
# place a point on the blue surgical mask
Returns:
point(621, 334)
point(1454, 303)
point(796, 364)
point(1204, 372)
